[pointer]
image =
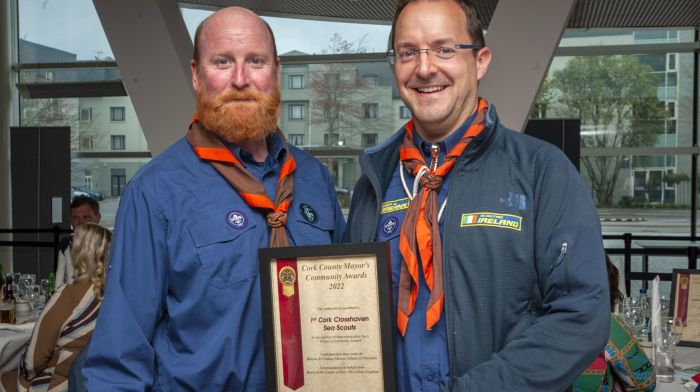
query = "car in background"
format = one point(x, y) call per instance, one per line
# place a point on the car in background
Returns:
point(77, 191)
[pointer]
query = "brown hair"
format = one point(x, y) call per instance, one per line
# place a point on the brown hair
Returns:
point(90, 254)
point(613, 281)
point(81, 200)
point(474, 27)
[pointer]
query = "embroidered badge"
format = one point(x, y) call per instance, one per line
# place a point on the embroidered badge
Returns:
point(308, 212)
point(492, 219)
point(394, 205)
point(389, 225)
point(236, 219)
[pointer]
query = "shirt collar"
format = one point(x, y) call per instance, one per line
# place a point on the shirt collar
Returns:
point(445, 145)
point(275, 147)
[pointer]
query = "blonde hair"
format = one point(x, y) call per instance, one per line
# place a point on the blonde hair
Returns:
point(90, 254)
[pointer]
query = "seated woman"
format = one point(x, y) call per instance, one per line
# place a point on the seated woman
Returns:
point(622, 365)
point(65, 325)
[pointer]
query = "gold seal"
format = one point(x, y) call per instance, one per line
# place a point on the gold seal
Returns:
point(287, 277)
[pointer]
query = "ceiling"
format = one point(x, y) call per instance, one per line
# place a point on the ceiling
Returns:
point(586, 14)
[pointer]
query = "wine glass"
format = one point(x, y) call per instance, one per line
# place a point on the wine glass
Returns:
point(633, 318)
point(675, 329)
point(34, 297)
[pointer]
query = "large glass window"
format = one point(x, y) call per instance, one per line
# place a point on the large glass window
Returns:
point(636, 103)
point(69, 33)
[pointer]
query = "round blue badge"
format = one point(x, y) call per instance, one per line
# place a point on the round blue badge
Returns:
point(236, 219)
point(389, 225)
point(308, 213)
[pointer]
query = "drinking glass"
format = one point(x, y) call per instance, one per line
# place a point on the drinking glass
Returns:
point(633, 317)
point(675, 329)
point(664, 353)
point(24, 281)
point(34, 297)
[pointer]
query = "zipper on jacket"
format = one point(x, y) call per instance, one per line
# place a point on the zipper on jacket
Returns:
point(562, 253)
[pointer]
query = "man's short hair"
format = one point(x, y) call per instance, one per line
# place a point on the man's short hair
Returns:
point(474, 27)
point(197, 33)
point(81, 200)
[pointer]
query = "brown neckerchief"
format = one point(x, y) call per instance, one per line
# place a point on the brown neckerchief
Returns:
point(211, 149)
point(420, 232)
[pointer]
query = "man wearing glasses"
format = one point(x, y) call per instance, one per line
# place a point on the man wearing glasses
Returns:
point(497, 258)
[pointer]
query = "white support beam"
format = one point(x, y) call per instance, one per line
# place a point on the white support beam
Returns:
point(152, 48)
point(522, 36)
point(8, 95)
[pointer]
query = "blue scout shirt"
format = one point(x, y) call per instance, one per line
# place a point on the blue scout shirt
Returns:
point(421, 355)
point(182, 302)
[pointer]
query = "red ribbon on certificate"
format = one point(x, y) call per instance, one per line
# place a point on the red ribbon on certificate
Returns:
point(682, 308)
point(290, 325)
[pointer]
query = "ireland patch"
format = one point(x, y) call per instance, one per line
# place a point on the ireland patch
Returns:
point(394, 205)
point(308, 212)
point(492, 219)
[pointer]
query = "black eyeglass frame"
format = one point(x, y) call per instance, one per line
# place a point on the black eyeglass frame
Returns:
point(391, 54)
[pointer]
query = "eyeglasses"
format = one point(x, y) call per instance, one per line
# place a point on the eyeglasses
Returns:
point(406, 56)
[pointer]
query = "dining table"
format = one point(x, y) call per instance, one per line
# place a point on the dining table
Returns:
point(13, 339)
point(685, 357)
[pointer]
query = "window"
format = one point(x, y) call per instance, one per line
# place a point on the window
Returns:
point(672, 79)
point(85, 114)
point(54, 111)
point(370, 109)
point(334, 140)
point(296, 139)
point(116, 113)
point(657, 62)
point(372, 80)
point(88, 180)
point(296, 81)
point(404, 112)
point(86, 142)
point(296, 111)
point(369, 139)
point(670, 127)
point(671, 61)
point(671, 107)
point(118, 181)
point(118, 142)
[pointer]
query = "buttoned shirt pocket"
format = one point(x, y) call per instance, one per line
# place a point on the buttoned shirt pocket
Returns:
point(228, 255)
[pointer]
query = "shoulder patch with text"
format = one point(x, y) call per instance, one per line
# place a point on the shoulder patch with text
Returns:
point(492, 219)
point(394, 205)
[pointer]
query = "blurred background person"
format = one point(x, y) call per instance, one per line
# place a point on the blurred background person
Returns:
point(622, 365)
point(66, 324)
point(83, 209)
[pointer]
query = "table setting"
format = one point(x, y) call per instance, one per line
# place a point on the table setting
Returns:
point(23, 299)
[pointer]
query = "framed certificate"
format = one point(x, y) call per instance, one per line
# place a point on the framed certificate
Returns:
point(326, 318)
point(685, 304)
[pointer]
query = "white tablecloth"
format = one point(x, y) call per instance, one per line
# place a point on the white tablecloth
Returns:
point(685, 357)
point(13, 339)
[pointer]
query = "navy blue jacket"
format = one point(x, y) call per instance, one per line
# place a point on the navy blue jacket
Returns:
point(526, 291)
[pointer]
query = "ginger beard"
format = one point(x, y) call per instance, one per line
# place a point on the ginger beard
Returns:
point(239, 115)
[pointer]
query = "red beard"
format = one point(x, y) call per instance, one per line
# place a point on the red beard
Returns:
point(239, 115)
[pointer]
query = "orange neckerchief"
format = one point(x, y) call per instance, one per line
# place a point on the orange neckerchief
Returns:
point(420, 231)
point(209, 148)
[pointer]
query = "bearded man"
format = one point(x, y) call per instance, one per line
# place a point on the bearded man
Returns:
point(182, 303)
